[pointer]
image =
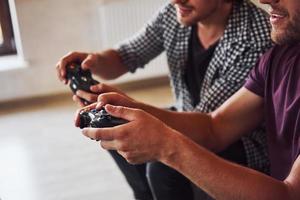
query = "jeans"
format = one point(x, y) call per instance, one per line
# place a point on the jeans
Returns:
point(156, 181)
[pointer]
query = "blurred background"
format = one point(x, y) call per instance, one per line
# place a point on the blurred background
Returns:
point(42, 155)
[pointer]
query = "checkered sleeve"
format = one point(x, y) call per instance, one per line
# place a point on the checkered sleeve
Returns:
point(145, 45)
point(225, 86)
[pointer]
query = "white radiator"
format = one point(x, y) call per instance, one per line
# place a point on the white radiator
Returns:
point(120, 19)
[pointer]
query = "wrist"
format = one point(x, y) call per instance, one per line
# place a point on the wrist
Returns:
point(170, 150)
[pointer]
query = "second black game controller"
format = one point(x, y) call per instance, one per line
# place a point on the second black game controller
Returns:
point(98, 119)
point(80, 79)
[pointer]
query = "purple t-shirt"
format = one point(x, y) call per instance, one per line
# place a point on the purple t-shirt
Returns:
point(276, 78)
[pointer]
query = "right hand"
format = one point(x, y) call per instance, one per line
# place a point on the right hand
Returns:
point(88, 61)
point(98, 89)
point(144, 138)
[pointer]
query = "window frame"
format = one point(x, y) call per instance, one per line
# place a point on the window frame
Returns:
point(8, 46)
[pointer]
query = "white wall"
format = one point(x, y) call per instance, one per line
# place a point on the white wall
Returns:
point(49, 29)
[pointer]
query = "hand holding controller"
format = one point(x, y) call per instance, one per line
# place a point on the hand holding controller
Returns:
point(80, 79)
point(98, 119)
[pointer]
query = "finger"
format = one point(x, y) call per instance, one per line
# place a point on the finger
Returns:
point(130, 114)
point(58, 71)
point(99, 133)
point(78, 101)
point(108, 145)
point(68, 59)
point(77, 118)
point(104, 88)
point(98, 88)
point(90, 107)
point(89, 62)
point(108, 98)
point(85, 108)
point(60, 68)
point(90, 97)
point(131, 157)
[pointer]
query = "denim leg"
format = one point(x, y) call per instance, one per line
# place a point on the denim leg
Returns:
point(135, 176)
point(168, 184)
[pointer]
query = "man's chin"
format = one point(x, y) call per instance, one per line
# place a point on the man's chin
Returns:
point(184, 21)
point(277, 37)
point(284, 38)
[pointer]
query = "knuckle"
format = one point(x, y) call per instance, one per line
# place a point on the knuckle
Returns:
point(101, 97)
point(131, 159)
point(101, 85)
point(128, 156)
point(72, 53)
point(103, 144)
point(123, 147)
point(122, 135)
point(93, 134)
point(120, 109)
point(140, 113)
point(58, 64)
point(89, 98)
point(93, 56)
point(93, 98)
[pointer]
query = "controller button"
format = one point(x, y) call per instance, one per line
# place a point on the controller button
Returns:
point(74, 86)
point(84, 78)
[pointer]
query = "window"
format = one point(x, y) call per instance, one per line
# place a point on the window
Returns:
point(1, 36)
point(7, 42)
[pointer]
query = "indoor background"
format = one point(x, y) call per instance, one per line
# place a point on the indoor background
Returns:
point(42, 154)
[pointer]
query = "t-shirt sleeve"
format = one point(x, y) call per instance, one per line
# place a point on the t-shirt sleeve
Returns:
point(256, 80)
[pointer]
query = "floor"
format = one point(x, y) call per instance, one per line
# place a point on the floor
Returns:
point(43, 156)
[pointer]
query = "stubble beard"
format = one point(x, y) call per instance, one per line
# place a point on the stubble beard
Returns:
point(290, 33)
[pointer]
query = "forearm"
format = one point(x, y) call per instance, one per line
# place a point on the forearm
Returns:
point(110, 65)
point(196, 126)
point(219, 178)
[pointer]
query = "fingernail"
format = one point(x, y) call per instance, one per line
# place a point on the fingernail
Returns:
point(92, 87)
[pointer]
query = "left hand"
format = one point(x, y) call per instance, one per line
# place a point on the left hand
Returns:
point(142, 139)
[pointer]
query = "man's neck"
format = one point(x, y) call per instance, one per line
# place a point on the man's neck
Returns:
point(212, 29)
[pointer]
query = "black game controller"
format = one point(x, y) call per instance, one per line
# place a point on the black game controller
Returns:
point(80, 79)
point(98, 119)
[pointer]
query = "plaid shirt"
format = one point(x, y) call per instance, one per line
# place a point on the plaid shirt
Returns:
point(246, 38)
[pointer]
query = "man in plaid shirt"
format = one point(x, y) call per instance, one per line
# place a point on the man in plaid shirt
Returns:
point(211, 46)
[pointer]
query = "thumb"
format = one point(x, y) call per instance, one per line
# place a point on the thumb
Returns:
point(130, 114)
point(88, 62)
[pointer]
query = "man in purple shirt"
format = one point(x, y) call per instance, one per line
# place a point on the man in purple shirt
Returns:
point(271, 95)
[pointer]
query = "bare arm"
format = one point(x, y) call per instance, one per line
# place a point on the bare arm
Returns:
point(224, 180)
point(237, 116)
point(217, 130)
point(110, 65)
point(218, 177)
point(106, 64)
